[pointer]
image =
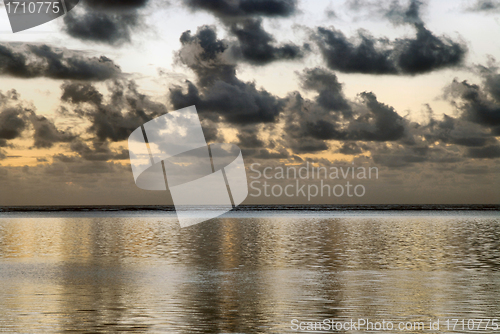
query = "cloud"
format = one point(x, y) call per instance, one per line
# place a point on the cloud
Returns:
point(479, 104)
point(206, 56)
point(308, 125)
point(331, 117)
point(399, 14)
point(257, 46)
point(115, 4)
point(227, 9)
point(106, 28)
point(81, 93)
point(350, 148)
point(114, 120)
point(9, 96)
point(238, 103)
point(491, 6)
point(487, 152)
point(64, 158)
point(31, 61)
point(100, 151)
point(381, 123)
point(330, 95)
point(219, 91)
point(369, 55)
point(456, 131)
point(249, 138)
point(267, 154)
point(13, 118)
point(108, 22)
point(243, 18)
point(400, 156)
point(404, 56)
point(211, 131)
point(312, 125)
point(46, 134)
point(16, 117)
point(391, 10)
point(427, 52)
point(12, 123)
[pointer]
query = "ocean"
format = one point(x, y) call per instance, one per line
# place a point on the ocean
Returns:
point(261, 269)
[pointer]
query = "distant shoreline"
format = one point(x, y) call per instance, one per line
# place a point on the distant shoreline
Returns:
point(292, 207)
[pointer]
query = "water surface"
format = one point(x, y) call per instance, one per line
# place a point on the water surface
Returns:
point(244, 273)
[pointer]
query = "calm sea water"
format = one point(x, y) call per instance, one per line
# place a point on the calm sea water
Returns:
point(245, 273)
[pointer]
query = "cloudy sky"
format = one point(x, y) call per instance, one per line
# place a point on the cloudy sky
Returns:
point(410, 87)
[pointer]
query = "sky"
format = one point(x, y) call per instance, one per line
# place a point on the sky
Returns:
point(411, 88)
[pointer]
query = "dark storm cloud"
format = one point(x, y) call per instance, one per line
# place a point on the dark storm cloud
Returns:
point(476, 107)
point(369, 55)
point(115, 119)
point(331, 117)
point(308, 126)
point(80, 93)
point(238, 103)
point(479, 104)
point(409, 56)
point(15, 118)
point(46, 133)
point(227, 9)
point(205, 55)
point(13, 121)
point(427, 52)
point(106, 28)
point(257, 46)
point(330, 94)
point(311, 124)
point(220, 92)
point(109, 22)
point(31, 61)
point(243, 19)
point(472, 132)
point(381, 123)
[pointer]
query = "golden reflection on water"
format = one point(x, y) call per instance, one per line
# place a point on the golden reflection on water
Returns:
point(243, 274)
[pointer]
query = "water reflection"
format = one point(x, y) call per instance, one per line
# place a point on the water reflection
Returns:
point(243, 275)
